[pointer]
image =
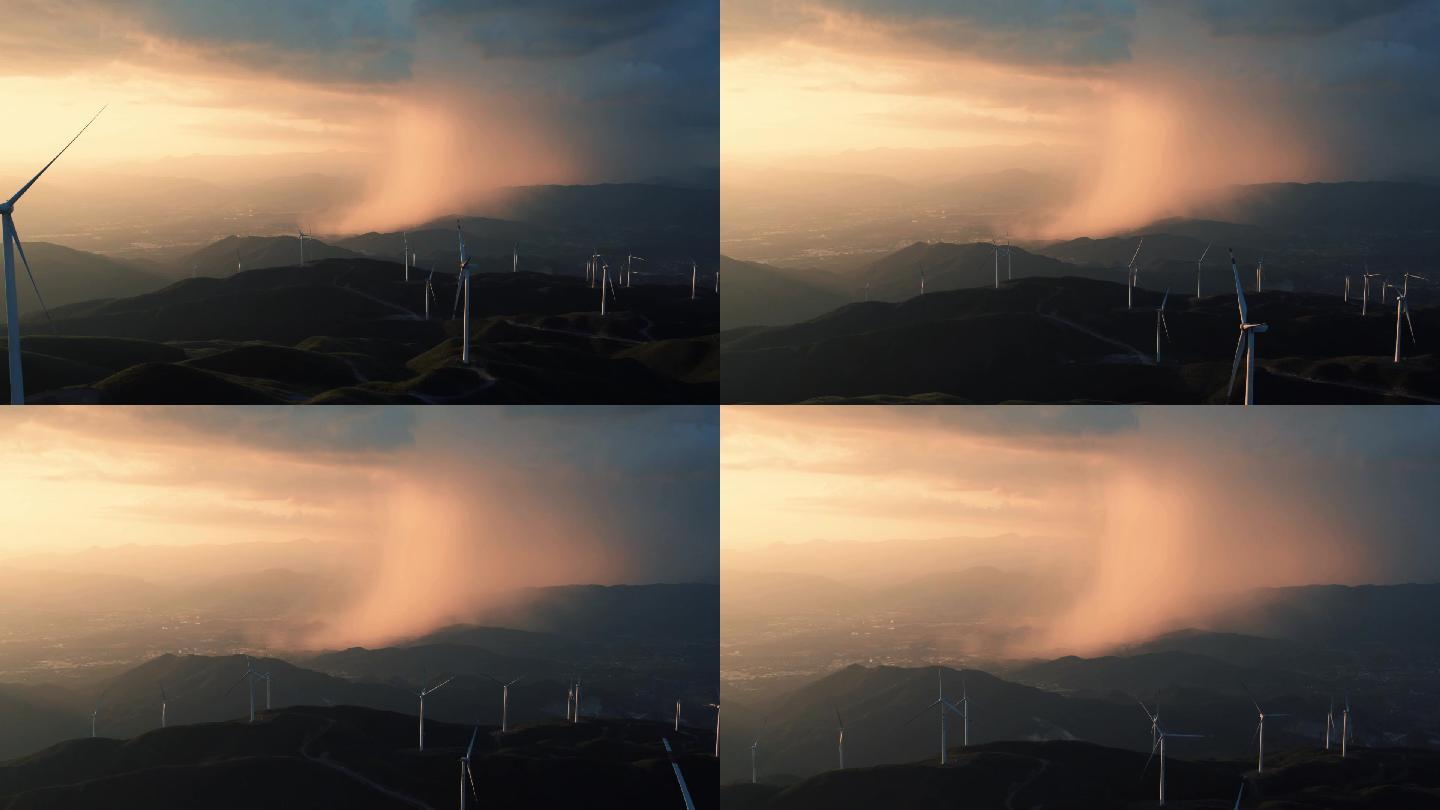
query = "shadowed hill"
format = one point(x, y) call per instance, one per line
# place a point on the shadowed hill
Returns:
point(1082, 776)
point(761, 295)
point(361, 758)
point(353, 330)
point(65, 276)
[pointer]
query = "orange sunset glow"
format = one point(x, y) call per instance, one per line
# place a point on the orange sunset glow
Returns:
point(1147, 517)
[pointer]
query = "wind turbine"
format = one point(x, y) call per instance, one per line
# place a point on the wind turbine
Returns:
point(716, 707)
point(717, 279)
point(630, 269)
point(1008, 262)
point(1402, 304)
point(677, 715)
point(1405, 283)
point(406, 236)
point(1260, 276)
point(1246, 345)
point(1200, 267)
point(505, 701)
point(1329, 723)
point(302, 244)
point(922, 281)
point(1160, 323)
point(266, 676)
point(250, 675)
point(1160, 735)
point(1154, 721)
point(1347, 289)
point(466, 774)
point(1365, 291)
point(1132, 275)
point(238, 266)
point(421, 694)
point(163, 701)
point(694, 277)
point(465, 286)
point(996, 246)
point(604, 283)
point(1345, 727)
point(515, 259)
point(1260, 733)
point(430, 292)
point(679, 777)
point(12, 293)
point(576, 717)
point(840, 742)
point(943, 705)
point(1240, 795)
point(94, 713)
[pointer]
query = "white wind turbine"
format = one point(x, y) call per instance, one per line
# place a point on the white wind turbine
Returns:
point(840, 741)
point(94, 713)
point(1347, 289)
point(164, 701)
point(266, 676)
point(679, 777)
point(1329, 723)
point(1200, 267)
point(1008, 262)
point(717, 279)
point(694, 277)
point(630, 269)
point(1132, 275)
point(1365, 290)
point(302, 244)
point(250, 675)
point(943, 705)
point(466, 774)
point(515, 259)
point(1402, 305)
point(1154, 717)
point(1345, 727)
point(677, 715)
point(1160, 323)
point(1159, 746)
point(716, 707)
point(238, 265)
point(922, 281)
point(1246, 345)
point(996, 247)
point(1260, 275)
point(405, 235)
point(575, 718)
point(604, 284)
point(464, 286)
point(1260, 733)
point(505, 701)
point(1240, 795)
point(11, 238)
point(1405, 283)
point(430, 292)
point(421, 694)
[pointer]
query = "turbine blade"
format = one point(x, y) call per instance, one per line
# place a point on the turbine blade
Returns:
point(15, 235)
point(922, 711)
point(1149, 759)
point(1405, 306)
point(1166, 326)
point(27, 186)
point(473, 735)
point(1235, 367)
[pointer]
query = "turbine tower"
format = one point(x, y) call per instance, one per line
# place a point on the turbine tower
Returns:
point(754, 749)
point(1345, 728)
point(515, 259)
point(716, 707)
point(694, 277)
point(943, 705)
point(1161, 324)
point(996, 247)
point(1260, 276)
point(11, 238)
point(1365, 290)
point(250, 675)
point(421, 694)
point(677, 715)
point(1159, 746)
point(1008, 262)
point(922, 281)
point(163, 701)
point(505, 701)
point(465, 287)
point(430, 292)
point(94, 713)
point(466, 774)
point(1200, 267)
point(266, 676)
point(1329, 723)
point(406, 251)
point(840, 742)
point(679, 777)
point(1347, 289)
point(302, 244)
point(1402, 306)
point(1246, 345)
point(1132, 272)
point(1260, 732)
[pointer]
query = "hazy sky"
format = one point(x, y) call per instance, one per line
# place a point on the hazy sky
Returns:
point(1156, 97)
point(439, 99)
point(1168, 506)
point(442, 508)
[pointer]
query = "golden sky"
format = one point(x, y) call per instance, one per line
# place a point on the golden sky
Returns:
point(1158, 511)
point(1144, 102)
